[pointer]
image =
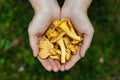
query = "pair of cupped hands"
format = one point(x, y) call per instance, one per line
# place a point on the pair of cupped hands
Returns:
point(46, 11)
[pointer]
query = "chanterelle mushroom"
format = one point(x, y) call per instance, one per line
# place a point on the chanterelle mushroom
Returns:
point(57, 57)
point(68, 54)
point(60, 41)
point(63, 50)
point(65, 27)
point(45, 46)
point(56, 38)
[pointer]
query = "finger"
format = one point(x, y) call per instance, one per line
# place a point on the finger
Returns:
point(83, 25)
point(36, 28)
point(58, 64)
point(64, 14)
point(74, 59)
point(34, 45)
point(56, 12)
point(62, 68)
point(86, 44)
point(53, 65)
point(46, 64)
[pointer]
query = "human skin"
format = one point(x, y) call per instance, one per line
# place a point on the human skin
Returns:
point(76, 11)
point(45, 11)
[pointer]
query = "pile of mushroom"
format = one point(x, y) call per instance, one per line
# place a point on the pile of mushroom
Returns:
point(60, 41)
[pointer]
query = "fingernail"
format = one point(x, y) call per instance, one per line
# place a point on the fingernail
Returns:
point(55, 70)
point(34, 54)
point(83, 55)
point(58, 66)
point(49, 68)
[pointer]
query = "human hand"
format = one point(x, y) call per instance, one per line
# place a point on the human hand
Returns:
point(76, 11)
point(45, 12)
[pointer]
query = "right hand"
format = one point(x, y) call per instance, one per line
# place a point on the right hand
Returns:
point(46, 11)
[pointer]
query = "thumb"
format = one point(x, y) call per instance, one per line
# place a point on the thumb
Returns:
point(36, 28)
point(85, 45)
point(84, 26)
point(34, 45)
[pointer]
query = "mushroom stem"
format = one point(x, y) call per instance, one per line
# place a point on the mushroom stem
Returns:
point(65, 28)
point(63, 50)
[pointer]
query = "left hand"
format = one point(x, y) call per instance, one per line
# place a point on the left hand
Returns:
point(76, 11)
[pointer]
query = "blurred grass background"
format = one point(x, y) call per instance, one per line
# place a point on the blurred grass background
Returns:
point(102, 60)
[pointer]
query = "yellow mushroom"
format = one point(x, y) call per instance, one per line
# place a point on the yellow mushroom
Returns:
point(56, 57)
point(70, 46)
point(70, 26)
point(60, 41)
point(68, 54)
point(56, 46)
point(77, 41)
point(63, 50)
point(56, 38)
point(73, 48)
point(52, 51)
point(67, 41)
point(51, 33)
point(56, 23)
point(45, 46)
point(58, 51)
point(59, 29)
point(65, 28)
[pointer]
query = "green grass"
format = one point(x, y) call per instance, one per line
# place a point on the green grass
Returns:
point(15, 52)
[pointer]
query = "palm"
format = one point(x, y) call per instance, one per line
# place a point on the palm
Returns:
point(83, 26)
point(40, 22)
